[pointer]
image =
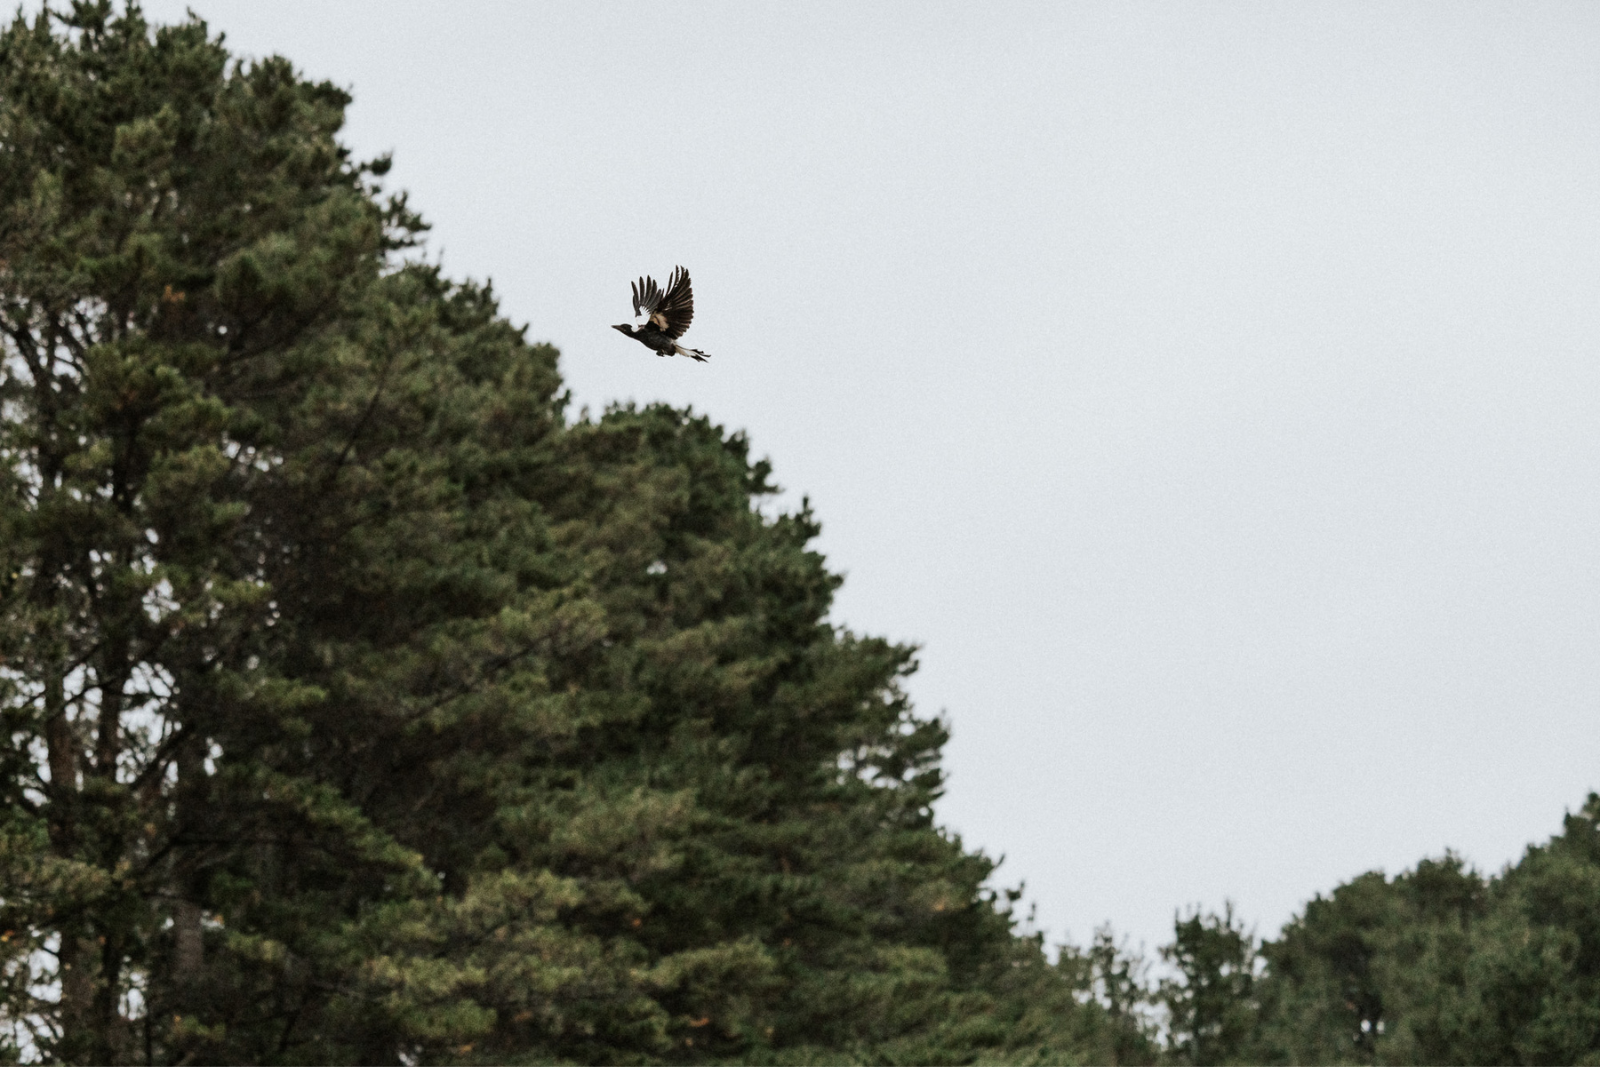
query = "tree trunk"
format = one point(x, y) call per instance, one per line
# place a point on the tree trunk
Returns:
point(189, 952)
point(76, 954)
point(189, 943)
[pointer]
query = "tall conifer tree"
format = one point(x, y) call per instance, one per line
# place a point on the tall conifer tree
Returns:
point(359, 708)
point(180, 248)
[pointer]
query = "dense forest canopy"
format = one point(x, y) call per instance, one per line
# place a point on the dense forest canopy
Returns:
point(362, 705)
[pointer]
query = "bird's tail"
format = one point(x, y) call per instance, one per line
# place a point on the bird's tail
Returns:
point(692, 353)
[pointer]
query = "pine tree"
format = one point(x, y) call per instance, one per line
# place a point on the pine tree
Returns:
point(359, 708)
point(1211, 1000)
point(1442, 965)
point(177, 239)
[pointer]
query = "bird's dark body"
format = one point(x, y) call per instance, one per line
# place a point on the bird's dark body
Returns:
point(651, 338)
point(668, 314)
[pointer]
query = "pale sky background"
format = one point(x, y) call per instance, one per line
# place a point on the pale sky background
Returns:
point(1210, 389)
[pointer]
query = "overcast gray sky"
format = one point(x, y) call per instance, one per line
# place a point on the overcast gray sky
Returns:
point(1210, 389)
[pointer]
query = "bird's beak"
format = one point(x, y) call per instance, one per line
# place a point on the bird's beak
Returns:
point(625, 328)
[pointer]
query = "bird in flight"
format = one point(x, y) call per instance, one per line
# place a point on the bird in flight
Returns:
point(670, 313)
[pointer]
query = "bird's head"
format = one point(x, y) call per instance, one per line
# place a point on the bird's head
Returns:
point(626, 328)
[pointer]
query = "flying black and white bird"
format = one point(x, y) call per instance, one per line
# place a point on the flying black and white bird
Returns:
point(669, 312)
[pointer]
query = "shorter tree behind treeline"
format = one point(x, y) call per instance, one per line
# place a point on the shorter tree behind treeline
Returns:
point(1439, 964)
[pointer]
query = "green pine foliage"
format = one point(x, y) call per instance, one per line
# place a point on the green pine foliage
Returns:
point(1443, 965)
point(361, 708)
point(1438, 964)
point(1210, 997)
point(184, 252)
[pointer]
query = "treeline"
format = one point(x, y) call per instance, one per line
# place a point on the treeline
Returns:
point(1436, 965)
point(361, 705)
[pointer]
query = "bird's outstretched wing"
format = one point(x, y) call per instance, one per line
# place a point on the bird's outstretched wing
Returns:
point(672, 311)
point(646, 295)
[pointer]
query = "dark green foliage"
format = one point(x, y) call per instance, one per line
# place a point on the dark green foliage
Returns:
point(1115, 979)
point(1210, 1001)
point(1442, 965)
point(358, 708)
point(1540, 966)
point(184, 250)
point(1435, 965)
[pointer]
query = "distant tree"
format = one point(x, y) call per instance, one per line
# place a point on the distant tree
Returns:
point(1375, 972)
point(1117, 979)
point(1441, 965)
point(1322, 998)
point(1210, 1001)
point(1508, 969)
